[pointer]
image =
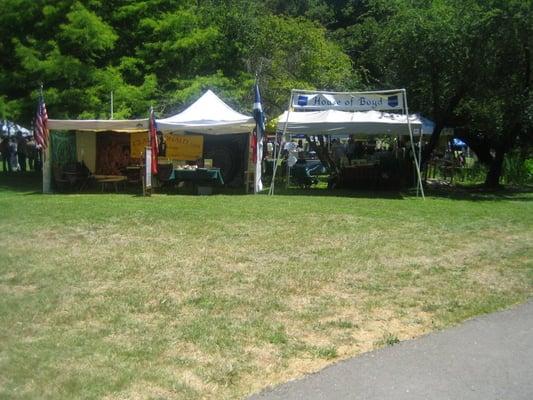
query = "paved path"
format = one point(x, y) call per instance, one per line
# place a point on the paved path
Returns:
point(490, 357)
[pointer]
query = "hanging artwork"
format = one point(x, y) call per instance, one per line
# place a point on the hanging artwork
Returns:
point(63, 148)
point(112, 153)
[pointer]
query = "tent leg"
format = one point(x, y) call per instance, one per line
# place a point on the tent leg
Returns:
point(415, 158)
point(271, 192)
point(47, 168)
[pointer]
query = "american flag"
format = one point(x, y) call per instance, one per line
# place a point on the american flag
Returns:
point(41, 120)
point(153, 141)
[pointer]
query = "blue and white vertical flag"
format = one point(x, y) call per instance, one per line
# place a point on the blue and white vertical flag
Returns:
point(259, 132)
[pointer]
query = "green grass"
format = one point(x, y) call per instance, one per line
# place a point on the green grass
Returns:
point(185, 297)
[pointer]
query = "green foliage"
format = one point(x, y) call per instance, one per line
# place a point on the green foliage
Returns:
point(161, 52)
point(464, 62)
point(85, 34)
point(517, 169)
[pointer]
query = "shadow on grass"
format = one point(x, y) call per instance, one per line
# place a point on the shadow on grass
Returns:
point(480, 192)
point(29, 183)
point(452, 192)
point(323, 192)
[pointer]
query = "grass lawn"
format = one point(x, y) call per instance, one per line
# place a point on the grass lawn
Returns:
point(182, 297)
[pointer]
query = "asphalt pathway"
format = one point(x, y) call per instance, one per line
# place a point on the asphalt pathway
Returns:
point(489, 357)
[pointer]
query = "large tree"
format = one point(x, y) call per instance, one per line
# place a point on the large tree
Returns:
point(161, 52)
point(497, 114)
point(464, 63)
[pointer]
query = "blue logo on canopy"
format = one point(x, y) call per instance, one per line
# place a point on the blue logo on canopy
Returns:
point(392, 101)
point(302, 100)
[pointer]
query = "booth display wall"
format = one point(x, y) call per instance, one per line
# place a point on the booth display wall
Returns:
point(112, 153)
point(229, 153)
point(63, 148)
point(86, 149)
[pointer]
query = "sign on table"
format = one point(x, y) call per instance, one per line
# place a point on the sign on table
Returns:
point(184, 147)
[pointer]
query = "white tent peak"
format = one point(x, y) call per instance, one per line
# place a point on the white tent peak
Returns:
point(209, 109)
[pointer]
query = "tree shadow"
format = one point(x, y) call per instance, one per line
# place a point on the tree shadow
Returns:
point(30, 183)
point(480, 192)
point(23, 182)
point(445, 191)
point(323, 192)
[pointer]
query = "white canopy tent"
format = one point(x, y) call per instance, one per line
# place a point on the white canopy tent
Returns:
point(334, 122)
point(346, 113)
point(208, 115)
point(8, 128)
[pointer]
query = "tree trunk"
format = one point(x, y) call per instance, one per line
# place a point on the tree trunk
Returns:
point(492, 179)
point(433, 141)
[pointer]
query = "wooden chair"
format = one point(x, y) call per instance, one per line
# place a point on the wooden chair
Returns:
point(164, 174)
point(60, 180)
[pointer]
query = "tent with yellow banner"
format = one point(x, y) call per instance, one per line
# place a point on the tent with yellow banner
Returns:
point(207, 129)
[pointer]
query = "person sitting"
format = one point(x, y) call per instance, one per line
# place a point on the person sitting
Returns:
point(301, 174)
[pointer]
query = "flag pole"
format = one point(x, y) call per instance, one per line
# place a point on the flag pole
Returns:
point(259, 135)
point(46, 167)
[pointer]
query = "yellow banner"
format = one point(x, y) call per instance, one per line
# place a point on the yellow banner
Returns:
point(138, 142)
point(184, 147)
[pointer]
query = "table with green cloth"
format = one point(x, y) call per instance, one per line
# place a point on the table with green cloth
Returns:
point(198, 176)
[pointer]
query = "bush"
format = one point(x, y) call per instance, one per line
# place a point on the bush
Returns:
point(517, 169)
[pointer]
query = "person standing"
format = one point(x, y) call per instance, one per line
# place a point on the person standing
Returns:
point(22, 152)
point(13, 161)
point(350, 149)
point(338, 151)
point(4, 149)
point(31, 153)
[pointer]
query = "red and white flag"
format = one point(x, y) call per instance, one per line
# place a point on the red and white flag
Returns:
point(153, 141)
point(40, 131)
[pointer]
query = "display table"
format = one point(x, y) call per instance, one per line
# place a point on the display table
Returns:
point(198, 176)
point(109, 180)
point(360, 176)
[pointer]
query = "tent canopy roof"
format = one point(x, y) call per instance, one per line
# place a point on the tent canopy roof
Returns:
point(210, 115)
point(99, 125)
point(341, 123)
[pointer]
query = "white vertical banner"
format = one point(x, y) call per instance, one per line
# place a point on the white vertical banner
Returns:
point(148, 168)
point(258, 186)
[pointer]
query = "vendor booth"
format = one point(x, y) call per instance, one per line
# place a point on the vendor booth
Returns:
point(221, 133)
point(365, 139)
point(207, 143)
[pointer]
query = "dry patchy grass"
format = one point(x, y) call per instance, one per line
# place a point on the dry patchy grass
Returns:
point(222, 301)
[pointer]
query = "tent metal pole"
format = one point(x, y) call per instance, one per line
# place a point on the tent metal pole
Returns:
point(415, 158)
point(420, 152)
point(276, 160)
point(288, 168)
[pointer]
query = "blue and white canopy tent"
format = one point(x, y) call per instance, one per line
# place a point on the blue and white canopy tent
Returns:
point(350, 113)
point(9, 129)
